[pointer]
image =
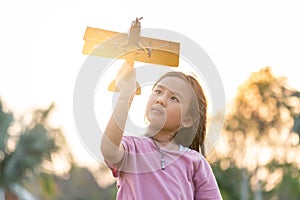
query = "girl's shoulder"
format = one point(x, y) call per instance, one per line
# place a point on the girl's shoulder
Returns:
point(193, 155)
point(136, 139)
point(137, 143)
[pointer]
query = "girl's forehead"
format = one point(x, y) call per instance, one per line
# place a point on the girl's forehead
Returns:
point(176, 85)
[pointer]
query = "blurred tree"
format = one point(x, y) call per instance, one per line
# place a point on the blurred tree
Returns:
point(81, 184)
point(26, 149)
point(261, 141)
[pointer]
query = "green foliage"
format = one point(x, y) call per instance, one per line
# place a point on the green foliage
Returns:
point(228, 180)
point(80, 184)
point(6, 119)
point(262, 128)
point(288, 188)
point(33, 147)
point(47, 185)
point(24, 148)
point(23, 152)
point(296, 127)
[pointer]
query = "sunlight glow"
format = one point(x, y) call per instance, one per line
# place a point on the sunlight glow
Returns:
point(45, 68)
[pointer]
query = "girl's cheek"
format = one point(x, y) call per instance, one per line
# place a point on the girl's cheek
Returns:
point(148, 106)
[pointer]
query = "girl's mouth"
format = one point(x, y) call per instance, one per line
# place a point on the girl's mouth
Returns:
point(157, 108)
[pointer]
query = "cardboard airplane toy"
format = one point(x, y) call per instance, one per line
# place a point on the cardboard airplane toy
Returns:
point(130, 46)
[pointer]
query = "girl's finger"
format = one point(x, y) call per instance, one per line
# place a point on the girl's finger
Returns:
point(125, 69)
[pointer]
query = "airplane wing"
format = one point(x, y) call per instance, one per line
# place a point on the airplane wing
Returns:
point(99, 42)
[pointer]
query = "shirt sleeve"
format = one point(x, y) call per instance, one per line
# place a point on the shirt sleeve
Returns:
point(115, 167)
point(206, 187)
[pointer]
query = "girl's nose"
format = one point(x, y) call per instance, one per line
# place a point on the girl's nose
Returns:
point(161, 100)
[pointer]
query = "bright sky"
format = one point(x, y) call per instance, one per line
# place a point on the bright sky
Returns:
point(41, 44)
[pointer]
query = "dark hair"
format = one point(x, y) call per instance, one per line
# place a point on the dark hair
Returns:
point(194, 136)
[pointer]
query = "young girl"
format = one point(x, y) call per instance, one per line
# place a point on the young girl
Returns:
point(165, 163)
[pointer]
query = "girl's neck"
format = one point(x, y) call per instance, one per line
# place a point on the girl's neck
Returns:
point(169, 145)
point(163, 139)
point(160, 135)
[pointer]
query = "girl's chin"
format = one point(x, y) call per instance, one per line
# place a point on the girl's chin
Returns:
point(153, 129)
point(156, 118)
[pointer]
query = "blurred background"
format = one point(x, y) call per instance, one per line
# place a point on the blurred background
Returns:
point(254, 45)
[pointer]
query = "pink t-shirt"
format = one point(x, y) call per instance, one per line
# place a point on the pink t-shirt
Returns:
point(187, 174)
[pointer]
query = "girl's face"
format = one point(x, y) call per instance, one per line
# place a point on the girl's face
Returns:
point(168, 105)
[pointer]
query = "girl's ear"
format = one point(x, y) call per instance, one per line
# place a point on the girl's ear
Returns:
point(188, 121)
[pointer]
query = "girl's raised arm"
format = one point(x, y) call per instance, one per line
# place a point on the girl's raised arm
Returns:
point(111, 146)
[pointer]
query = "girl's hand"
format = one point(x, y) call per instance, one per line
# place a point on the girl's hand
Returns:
point(126, 81)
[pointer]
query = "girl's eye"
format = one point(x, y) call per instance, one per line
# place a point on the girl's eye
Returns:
point(173, 98)
point(157, 91)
